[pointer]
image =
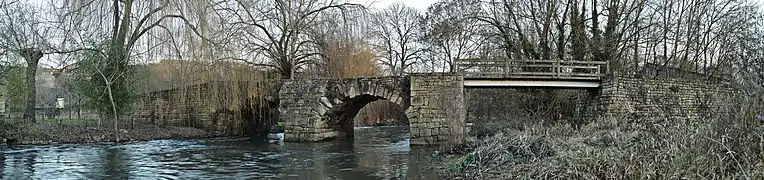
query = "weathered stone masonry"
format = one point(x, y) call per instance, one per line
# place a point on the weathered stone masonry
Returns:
point(213, 106)
point(322, 109)
point(630, 97)
point(437, 111)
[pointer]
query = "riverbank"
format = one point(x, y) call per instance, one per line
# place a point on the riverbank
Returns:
point(716, 148)
point(42, 134)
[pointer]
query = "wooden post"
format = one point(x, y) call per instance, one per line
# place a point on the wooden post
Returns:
point(599, 73)
point(557, 69)
point(506, 68)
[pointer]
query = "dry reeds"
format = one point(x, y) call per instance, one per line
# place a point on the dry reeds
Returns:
point(727, 143)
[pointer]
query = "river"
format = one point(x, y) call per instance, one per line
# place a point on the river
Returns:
point(375, 153)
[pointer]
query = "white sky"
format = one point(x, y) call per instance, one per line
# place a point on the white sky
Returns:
point(421, 5)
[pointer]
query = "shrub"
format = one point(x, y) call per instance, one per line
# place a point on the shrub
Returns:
point(726, 144)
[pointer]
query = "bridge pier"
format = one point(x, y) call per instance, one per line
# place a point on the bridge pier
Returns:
point(302, 111)
point(437, 112)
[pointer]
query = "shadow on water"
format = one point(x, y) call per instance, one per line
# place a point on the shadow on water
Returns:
point(375, 153)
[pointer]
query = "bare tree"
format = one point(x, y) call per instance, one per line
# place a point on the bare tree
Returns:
point(342, 44)
point(25, 34)
point(449, 34)
point(397, 34)
point(275, 30)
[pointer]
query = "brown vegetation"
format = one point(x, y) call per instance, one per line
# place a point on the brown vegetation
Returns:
point(381, 113)
point(26, 133)
point(350, 58)
point(721, 145)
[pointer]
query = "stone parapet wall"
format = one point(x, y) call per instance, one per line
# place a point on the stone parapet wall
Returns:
point(437, 111)
point(215, 106)
point(630, 97)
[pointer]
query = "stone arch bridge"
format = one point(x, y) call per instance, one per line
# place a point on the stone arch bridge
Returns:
point(323, 109)
point(434, 103)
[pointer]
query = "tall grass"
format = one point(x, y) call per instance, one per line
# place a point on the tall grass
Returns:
point(726, 144)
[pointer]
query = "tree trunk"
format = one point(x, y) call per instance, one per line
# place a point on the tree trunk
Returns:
point(32, 57)
point(113, 111)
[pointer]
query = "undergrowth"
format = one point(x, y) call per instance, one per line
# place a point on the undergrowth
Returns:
point(21, 130)
point(725, 144)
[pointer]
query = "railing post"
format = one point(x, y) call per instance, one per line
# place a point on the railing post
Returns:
point(506, 68)
point(599, 73)
point(557, 69)
point(607, 67)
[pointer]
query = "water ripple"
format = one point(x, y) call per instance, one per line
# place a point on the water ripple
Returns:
point(376, 153)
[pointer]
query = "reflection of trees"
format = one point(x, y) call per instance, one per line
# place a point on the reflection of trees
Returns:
point(379, 152)
point(420, 164)
point(31, 160)
point(115, 164)
point(2, 166)
point(16, 166)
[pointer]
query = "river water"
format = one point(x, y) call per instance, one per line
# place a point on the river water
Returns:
point(375, 153)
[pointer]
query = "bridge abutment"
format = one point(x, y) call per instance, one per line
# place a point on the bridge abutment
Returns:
point(629, 98)
point(437, 112)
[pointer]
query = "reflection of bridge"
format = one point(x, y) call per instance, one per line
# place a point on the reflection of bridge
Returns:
point(531, 73)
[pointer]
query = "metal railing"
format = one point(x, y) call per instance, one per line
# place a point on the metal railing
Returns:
point(531, 69)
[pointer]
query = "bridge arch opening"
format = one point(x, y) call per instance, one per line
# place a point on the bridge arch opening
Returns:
point(365, 110)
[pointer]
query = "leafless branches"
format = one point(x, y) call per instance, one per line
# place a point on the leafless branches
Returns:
point(397, 34)
point(276, 29)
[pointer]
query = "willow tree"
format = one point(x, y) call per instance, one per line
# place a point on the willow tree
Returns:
point(276, 30)
point(120, 24)
point(23, 33)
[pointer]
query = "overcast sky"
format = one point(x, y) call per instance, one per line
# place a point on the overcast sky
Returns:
point(380, 4)
point(423, 4)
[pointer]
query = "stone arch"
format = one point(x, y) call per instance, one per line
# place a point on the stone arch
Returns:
point(382, 88)
point(315, 109)
point(343, 99)
point(341, 116)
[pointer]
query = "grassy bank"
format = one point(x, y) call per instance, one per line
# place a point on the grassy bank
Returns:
point(721, 145)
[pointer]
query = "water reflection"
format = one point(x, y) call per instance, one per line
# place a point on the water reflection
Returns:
point(376, 153)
